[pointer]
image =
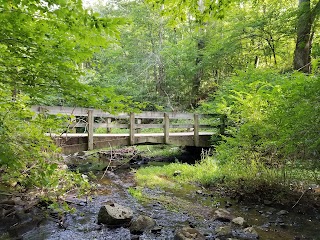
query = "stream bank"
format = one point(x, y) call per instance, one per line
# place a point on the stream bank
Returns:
point(172, 208)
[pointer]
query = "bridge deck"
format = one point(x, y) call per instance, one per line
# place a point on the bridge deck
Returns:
point(75, 142)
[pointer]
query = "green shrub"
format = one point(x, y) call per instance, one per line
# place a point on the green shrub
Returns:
point(28, 158)
point(272, 118)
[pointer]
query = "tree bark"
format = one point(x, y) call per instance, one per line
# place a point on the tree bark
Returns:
point(306, 18)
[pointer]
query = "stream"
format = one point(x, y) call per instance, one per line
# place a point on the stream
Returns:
point(193, 206)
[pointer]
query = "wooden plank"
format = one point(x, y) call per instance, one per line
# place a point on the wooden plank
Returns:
point(181, 126)
point(166, 128)
point(196, 130)
point(112, 125)
point(159, 115)
point(109, 120)
point(90, 129)
point(138, 129)
point(145, 126)
point(132, 128)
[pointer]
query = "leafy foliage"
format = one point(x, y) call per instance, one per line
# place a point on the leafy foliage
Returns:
point(28, 158)
point(273, 118)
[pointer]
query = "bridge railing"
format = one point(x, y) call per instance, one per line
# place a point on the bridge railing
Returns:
point(90, 119)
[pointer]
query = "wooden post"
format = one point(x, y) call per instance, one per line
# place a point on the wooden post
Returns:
point(138, 122)
point(196, 130)
point(166, 127)
point(108, 123)
point(222, 124)
point(90, 129)
point(132, 128)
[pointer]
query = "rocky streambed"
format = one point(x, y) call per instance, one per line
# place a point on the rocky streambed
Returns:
point(188, 213)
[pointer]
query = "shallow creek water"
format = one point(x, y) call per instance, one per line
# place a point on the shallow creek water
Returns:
point(192, 206)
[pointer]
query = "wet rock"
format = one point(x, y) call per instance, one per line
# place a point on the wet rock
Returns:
point(156, 230)
point(282, 212)
point(251, 233)
point(114, 215)
point(223, 231)
point(223, 215)
point(267, 202)
point(188, 233)
point(199, 192)
point(228, 204)
point(141, 223)
point(238, 221)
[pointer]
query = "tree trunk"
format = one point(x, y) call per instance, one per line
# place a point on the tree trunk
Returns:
point(306, 19)
point(302, 57)
point(199, 74)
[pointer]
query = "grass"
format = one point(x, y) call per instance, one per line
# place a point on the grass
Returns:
point(159, 150)
point(253, 178)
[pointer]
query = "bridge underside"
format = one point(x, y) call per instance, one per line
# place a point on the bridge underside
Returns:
point(71, 143)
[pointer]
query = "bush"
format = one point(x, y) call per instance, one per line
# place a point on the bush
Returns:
point(272, 118)
point(28, 158)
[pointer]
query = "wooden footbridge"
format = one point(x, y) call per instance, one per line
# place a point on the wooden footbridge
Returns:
point(98, 128)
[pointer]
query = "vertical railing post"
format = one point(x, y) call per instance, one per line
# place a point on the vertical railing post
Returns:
point(139, 121)
point(196, 129)
point(108, 124)
point(166, 127)
point(132, 129)
point(90, 129)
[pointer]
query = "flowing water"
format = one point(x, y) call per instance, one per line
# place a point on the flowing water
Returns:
point(190, 206)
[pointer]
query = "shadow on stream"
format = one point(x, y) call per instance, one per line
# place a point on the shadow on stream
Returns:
point(197, 210)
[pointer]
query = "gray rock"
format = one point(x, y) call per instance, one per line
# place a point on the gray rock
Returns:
point(267, 202)
point(188, 233)
point(223, 231)
point(238, 221)
point(114, 215)
point(223, 215)
point(251, 233)
point(282, 212)
point(141, 223)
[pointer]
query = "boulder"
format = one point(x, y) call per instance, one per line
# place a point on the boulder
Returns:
point(115, 215)
point(141, 223)
point(223, 215)
point(188, 233)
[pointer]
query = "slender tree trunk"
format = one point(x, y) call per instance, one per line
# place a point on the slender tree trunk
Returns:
point(199, 74)
point(302, 53)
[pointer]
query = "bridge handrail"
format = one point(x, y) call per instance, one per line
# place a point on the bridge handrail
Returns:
point(134, 120)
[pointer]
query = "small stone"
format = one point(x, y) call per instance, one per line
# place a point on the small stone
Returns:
point(199, 192)
point(282, 212)
point(142, 223)
point(228, 204)
point(223, 215)
point(238, 221)
point(188, 233)
point(251, 231)
point(267, 202)
point(223, 231)
point(177, 173)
